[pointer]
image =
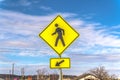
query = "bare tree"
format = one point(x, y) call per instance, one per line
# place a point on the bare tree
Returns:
point(113, 77)
point(41, 74)
point(22, 73)
point(54, 75)
point(101, 73)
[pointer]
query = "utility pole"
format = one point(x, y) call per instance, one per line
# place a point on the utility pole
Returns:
point(38, 75)
point(9, 74)
point(12, 71)
point(22, 73)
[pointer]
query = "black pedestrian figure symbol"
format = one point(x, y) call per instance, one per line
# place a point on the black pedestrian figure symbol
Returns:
point(60, 32)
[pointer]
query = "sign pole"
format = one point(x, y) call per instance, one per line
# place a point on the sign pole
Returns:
point(60, 75)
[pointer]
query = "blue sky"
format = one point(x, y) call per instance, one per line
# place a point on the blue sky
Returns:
point(97, 22)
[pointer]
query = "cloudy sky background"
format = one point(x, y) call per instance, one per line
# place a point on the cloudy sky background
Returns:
point(97, 22)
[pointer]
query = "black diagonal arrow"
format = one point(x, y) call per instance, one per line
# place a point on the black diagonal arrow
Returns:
point(58, 63)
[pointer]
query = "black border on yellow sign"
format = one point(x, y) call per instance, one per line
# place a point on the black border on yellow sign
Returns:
point(68, 45)
point(61, 67)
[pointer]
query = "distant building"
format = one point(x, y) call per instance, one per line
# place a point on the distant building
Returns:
point(69, 77)
point(9, 77)
point(54, 77)
point(46, 77)
point(87, 77)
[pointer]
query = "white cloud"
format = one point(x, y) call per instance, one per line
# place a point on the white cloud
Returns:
point(30, 69)
point(35, 53)
point(25, 2)
point(45, 8)
point(81, 63)
point(98, 37)
point(96, 41)
point(76, 23)
point(1, 57)
point(101, 58)
point(22, 31)
point(4, 60)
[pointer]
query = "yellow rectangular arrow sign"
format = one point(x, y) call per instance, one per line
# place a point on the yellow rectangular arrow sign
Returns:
point(57, 63)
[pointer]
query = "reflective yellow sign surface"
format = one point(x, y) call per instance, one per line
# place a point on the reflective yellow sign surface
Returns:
point(59, 35)
point(56, 63)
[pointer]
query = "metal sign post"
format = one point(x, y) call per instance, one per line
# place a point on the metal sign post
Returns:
point(61, 74)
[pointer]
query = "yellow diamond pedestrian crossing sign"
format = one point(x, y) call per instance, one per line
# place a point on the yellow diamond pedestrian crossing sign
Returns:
point(59, 35)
